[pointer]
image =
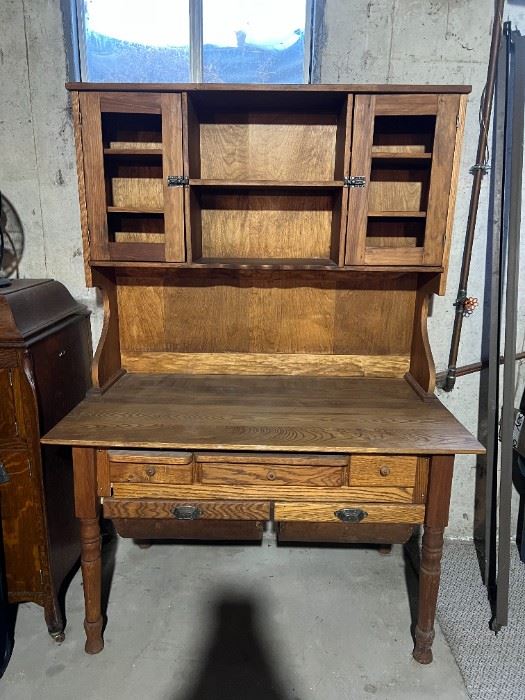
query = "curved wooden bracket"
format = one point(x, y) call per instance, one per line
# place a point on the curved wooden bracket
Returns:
point(422, 367)
point(106, 368)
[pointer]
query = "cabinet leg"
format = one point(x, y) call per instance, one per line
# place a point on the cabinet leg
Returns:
point(429, 573)
point(92, 579)
point(436, 519)
point(54, 621)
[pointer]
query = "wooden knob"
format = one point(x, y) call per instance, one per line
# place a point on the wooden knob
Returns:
point(384, 471)
point(150, 471)
point(270, 476)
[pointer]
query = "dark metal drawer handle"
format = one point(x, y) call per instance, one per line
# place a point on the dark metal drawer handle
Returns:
point(4, 476)
point(351, 515)
point(186, 512)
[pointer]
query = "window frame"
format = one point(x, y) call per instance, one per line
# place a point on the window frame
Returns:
point(78, 33)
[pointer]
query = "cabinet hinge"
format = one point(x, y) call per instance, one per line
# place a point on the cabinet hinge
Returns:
point(10, 373)
point(177, 180)
point(41, 577)
point(88, 232)
point(30, 470)
point(355, 181)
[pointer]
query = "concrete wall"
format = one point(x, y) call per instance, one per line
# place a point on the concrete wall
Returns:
point(405, 41)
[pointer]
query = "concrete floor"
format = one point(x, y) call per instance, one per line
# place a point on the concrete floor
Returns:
point(263, 622)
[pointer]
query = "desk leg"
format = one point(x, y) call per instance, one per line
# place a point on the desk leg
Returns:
point(436, 519)
point(87, 509)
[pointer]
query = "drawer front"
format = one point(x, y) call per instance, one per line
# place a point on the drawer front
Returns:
point(278, 475)
point(151, 467)
point(122, 472)
point(186, 510)
point(375, 470)
point(276, 470)
point(326, 512)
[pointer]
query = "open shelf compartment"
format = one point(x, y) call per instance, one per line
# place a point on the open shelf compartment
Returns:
point(258, 224)
point(267, 137)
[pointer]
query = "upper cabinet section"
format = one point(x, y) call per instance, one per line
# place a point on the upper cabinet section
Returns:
point(313, 176)
point(132, 153)
point(402, 161)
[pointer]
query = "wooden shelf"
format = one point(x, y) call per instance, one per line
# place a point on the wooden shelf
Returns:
point(398, 214)
point(401, 155)
point(133, 151)
point(261, 265)
point(266, 183)
point(129, 210)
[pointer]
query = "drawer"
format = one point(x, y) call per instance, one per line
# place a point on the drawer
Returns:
point(275, 470)
point(186, 510)
point(375, 470)
point(154, 467)
point(325, 512)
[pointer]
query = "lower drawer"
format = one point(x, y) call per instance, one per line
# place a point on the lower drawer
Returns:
point(186, 510)
point(362, 512)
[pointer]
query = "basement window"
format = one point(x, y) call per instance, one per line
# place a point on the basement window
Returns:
point(217, 41)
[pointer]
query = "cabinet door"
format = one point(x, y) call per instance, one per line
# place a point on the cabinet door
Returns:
point(401, 178)
point(132, 146)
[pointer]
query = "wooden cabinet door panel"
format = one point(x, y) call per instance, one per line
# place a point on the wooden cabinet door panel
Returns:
point(132, 144)
point(403, 147)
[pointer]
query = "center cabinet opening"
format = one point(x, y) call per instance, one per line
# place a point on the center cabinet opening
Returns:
point(266, 176)
point(258, 224)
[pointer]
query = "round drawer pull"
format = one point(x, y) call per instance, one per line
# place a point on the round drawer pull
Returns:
point(384, 471)
point(270, 476)
point(151, 471)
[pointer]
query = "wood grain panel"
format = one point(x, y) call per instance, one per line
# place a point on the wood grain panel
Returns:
point(265, 225)
point(387, 494)
point(244, 146)
point(382, 470)
point(325, 512)
point(261, 363)
point(271, 458)
point(453, 190)
point(406, 105)
point(150, 473)
point(93, 170)
point(210, 510)
point(150, 456)
point(276, 475)
point(374, 533)
point(269, 414)
point(441, 178)
point(172, 164)
point(364, 108)
point(142, 314)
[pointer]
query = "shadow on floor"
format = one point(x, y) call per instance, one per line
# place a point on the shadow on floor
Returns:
point(236, 664)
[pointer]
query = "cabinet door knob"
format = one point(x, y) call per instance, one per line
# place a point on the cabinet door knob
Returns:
point(62, 353)
point(270, 476)
point(351, 515)
point(150, 471)
point(384, 471)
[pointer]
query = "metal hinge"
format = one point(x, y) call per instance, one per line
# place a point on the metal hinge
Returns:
point(355, 181)
point(88, 235)
point(177, 180)
point(10, 378)
point(41, 577)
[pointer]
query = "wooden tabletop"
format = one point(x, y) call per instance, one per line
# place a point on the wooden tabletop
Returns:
point(310, 414)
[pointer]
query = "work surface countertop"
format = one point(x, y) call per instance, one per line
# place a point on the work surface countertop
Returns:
point(306, 414)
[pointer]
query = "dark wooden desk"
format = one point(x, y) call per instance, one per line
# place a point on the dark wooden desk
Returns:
point(290, 449)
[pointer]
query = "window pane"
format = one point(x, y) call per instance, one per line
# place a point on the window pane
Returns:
point(136, 41)
point(261, 41)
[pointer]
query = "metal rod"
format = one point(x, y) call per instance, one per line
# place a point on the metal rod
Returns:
point(472, 368)
point(516, 91)
point(479, 171)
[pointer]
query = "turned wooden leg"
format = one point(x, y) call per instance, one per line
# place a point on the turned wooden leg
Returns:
point(436, 519)
point(87, 508)
point(385, 549)
point(92, 579)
